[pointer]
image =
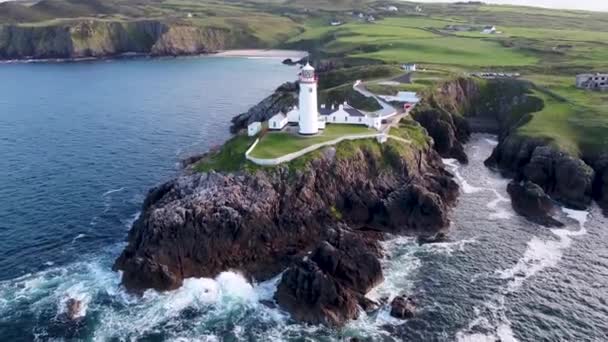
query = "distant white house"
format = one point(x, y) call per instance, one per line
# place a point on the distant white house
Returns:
point(189, 15)
point(335, 23)
point(409, 67)
point(392, 9)
point(277, 122)
point(370, 19)
point(598, 81)
point(254, 128)
point(489, 30)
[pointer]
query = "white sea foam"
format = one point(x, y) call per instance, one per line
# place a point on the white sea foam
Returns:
point(543, 253)
point(79, 236)
point(109, 192)
point(466, 187)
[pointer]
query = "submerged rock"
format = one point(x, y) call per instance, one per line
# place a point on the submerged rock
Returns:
point(403, 307)
point(73, 309)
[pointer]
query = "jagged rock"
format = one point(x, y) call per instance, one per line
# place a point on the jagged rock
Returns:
point(290, 61)
point(403, 307)
point(600, 184)
point(563, 177)
point(444, 130)
point(199, 225)
point(436, 238)
point(330, 285)
point(283, 99)
point(530, 201)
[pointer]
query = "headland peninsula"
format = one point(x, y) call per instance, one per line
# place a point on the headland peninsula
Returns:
point(534, 77)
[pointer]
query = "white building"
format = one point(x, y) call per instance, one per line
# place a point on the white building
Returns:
point(277, 122)
point(598, 81)
point(254, 128)
point(311, 118)
point(309, 114)
point(409, 67)
point(489, 30)
point(347, 115)
point(392, 9)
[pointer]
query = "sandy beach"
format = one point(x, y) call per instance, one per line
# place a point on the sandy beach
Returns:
point(293, 54)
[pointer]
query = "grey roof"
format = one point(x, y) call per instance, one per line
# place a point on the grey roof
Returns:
point(353, 112)
point(326, 111)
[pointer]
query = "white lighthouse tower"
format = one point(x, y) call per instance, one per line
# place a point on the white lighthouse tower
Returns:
point(309, 113)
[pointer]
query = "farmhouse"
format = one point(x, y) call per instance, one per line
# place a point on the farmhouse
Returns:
point(597, 81)
point(409, 67)
point(489, 30)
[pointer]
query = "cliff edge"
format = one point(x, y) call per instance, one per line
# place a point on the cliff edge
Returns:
point(264, 221)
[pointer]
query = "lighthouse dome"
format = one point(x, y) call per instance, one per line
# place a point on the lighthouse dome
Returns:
point(308, 67)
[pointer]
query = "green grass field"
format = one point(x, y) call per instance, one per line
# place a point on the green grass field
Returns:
point(277, 144)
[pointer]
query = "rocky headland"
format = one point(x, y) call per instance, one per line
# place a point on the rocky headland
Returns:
point(318, 221)
point(464, 105)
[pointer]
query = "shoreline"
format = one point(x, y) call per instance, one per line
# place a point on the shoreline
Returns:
point(236, 53)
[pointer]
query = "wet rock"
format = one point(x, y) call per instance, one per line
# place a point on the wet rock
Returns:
point(330, 285)
point(436, 238)
point(566, 179)
point(403, 307)
point(73, 309)
point(530, 201)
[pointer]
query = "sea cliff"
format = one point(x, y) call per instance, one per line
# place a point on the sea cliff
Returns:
point(103, 38)
point(264, 221)
point(464, 105)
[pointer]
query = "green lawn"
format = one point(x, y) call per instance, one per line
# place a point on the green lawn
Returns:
point(277, 144)
point(451, 50)
point(579, 124)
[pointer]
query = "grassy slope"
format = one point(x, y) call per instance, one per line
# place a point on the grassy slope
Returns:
point(274, 145)
point(548, 47)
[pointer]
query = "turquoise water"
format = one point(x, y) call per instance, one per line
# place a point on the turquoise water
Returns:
point(81, 144)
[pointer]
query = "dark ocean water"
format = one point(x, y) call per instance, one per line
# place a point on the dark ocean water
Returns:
point(82, 143)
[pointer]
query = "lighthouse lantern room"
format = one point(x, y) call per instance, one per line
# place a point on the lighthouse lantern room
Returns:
point(309, 114)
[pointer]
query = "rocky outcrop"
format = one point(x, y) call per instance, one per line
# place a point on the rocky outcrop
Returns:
point(336, 206)
point(530, 201)
point(97, 38)
point(403, 307)
point(282, 100)
point(329, 286)
point(449, 132)
point(463, 105)
point(600, 184)
point(565, 178)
